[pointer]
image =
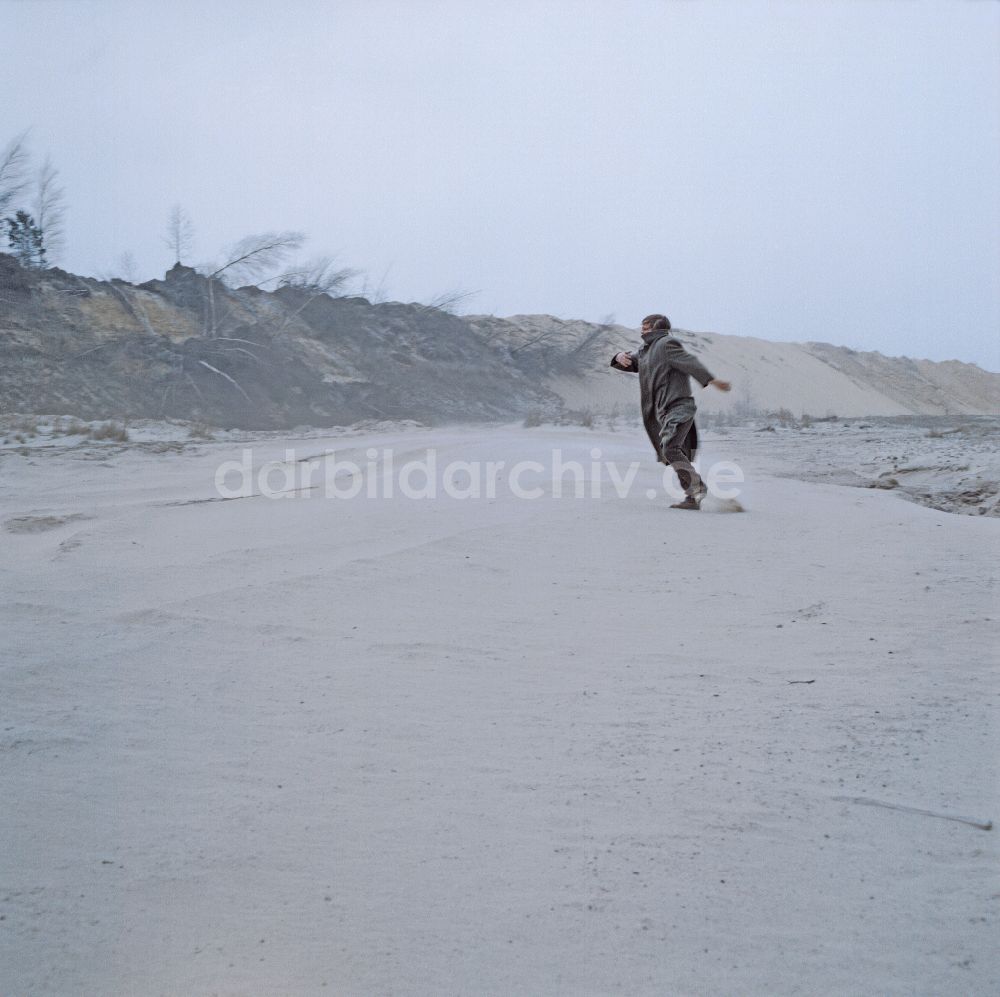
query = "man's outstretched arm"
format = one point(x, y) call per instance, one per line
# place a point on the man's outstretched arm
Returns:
point(682, 360)
point(625, 361)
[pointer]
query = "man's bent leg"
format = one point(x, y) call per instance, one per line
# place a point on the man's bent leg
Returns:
point(674, 453)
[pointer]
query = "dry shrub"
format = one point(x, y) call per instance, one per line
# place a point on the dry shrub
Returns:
point(74, 428)
point(110, 431)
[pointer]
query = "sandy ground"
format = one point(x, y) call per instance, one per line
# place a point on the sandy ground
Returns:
point(491, 746)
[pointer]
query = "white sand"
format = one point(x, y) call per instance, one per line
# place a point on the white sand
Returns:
point(466, 747)
point(815, 378)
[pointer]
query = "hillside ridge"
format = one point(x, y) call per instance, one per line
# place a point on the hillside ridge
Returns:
point(189, 347)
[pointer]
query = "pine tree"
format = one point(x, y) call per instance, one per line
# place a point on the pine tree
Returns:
point(25, 239)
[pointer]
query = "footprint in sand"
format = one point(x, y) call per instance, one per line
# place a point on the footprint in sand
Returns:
point(811, 612)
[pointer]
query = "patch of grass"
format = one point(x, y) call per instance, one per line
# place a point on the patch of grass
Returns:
point(200, 431)
point(110, 431)
point(73, 428)
point(578, 417)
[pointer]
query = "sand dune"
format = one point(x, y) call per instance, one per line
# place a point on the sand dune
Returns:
point(490, 745)
point(814, 378)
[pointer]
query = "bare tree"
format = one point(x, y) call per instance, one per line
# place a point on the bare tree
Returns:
point(255, 255)
point(50, 209)
point(247, 263)
point(126, 267)
point(579, 354)
point(13, 171)
point(180, 233)
point(319, 275)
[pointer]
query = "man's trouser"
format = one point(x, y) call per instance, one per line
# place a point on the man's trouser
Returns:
point(675, 424)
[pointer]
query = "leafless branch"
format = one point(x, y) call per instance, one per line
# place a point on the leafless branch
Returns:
point(256, 254)
point(13, 171)
point(126, 266)
point(50, 209)
point(222, 373)
point(194, 385)
point(319, 275)
point(450, 300)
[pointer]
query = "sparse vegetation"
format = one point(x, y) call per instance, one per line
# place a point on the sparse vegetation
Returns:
point(200, 431)
point(567, 417)
point(49, 209)
point(35, 229)
point(110, 431)
point(26, 241)
point(451, 301)
point(74, 428)
point(745, 406)
point(13, 171)
point(318, 276)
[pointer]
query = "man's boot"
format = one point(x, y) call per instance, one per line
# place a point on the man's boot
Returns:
point(689, 503)
point(693, 500)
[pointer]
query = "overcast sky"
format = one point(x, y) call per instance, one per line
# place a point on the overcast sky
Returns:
point(785, 170)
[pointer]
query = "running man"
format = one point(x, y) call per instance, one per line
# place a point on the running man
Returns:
point(665, 370)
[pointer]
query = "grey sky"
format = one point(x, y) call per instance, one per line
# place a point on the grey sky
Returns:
point(789, 171)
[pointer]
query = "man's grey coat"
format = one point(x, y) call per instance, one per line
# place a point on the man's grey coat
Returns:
point(665, 369)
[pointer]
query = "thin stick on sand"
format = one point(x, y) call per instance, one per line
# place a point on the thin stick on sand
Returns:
point(865, 801)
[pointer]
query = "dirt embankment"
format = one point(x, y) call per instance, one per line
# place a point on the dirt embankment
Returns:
point(191, 348)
